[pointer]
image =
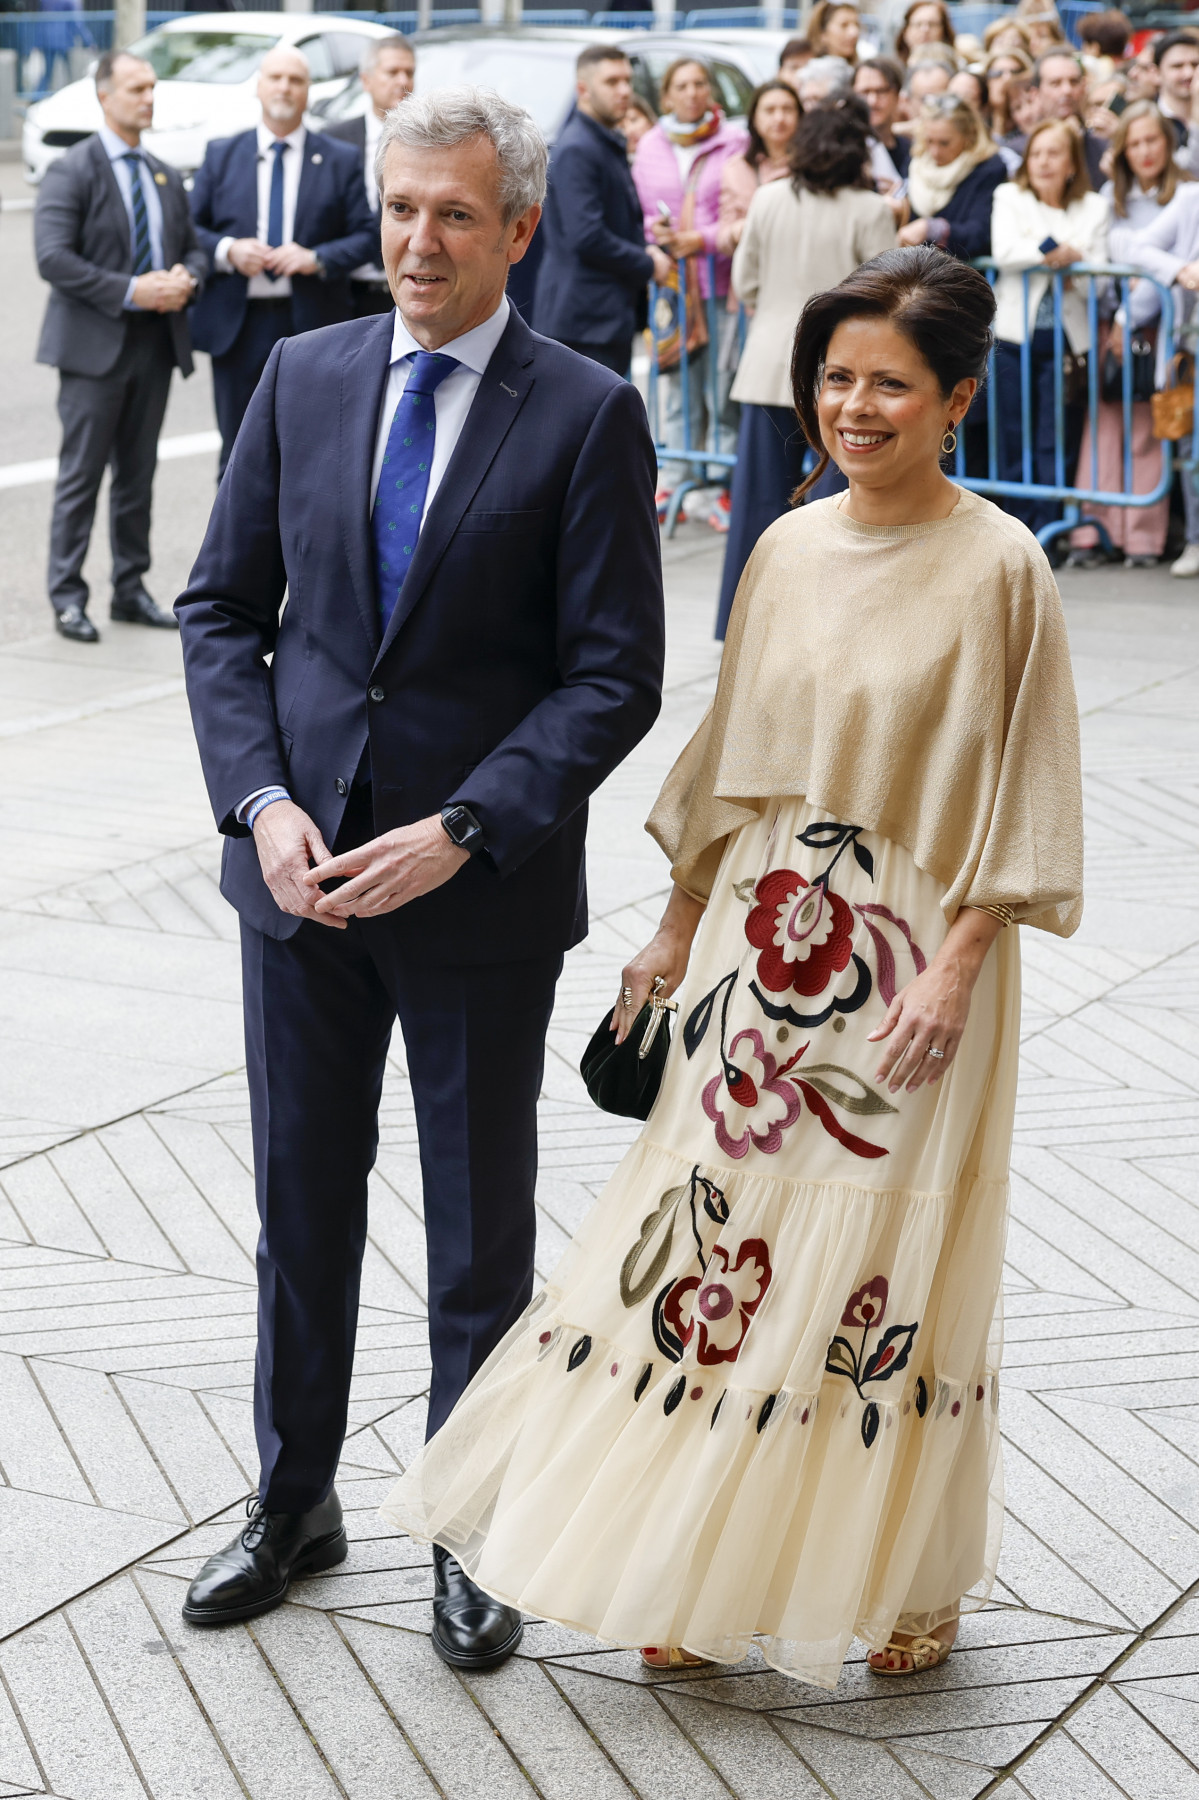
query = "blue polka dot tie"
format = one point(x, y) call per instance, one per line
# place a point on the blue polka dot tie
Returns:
point(404, 477)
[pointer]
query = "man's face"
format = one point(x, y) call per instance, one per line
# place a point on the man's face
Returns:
point(128, 102)
point(880, 97)
point(1177, 71)
point(391, 79)
point(931, 78)
point(1063, 88)
point(283, 89)
point(605, 89)
point(446, 248)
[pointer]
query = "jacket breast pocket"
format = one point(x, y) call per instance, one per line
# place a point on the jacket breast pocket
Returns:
point(529, 521)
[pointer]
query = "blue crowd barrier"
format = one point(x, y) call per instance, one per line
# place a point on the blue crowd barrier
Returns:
point(1108, 285)
point(695, 445)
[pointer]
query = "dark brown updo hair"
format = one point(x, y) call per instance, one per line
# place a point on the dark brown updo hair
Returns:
point(831, 148)
point(944, 306)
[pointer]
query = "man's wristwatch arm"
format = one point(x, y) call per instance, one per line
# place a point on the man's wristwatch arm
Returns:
point(463, 829)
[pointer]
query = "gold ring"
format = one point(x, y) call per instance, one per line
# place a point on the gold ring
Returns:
point(626, 997)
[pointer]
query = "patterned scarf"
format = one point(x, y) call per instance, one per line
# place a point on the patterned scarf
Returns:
point(686, 136)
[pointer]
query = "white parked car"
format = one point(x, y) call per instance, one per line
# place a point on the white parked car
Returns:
point(207, 67)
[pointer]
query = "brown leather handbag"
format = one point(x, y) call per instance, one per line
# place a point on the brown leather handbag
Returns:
point(1173, 407)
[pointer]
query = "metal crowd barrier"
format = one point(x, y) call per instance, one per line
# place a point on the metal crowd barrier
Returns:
point(690, 440)
point(1107, 286)
point(696, 376)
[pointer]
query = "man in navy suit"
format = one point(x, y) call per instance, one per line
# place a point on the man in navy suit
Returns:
point(462, 516)
point(282, 213)
point(591, 286)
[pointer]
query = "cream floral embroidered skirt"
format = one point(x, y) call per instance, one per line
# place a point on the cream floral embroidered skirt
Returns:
point(758, 1398)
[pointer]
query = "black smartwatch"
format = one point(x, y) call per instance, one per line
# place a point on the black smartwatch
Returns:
point(462, 828)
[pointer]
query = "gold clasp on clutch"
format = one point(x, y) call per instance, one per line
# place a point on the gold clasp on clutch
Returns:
point(659, 1007)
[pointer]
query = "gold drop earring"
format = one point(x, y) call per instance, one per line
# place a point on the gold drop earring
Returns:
point(949, 442)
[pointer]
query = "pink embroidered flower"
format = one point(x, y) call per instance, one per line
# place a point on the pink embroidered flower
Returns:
point(868, 1305)
point(727, 1300)
point(750, 1105)
point(804, 934)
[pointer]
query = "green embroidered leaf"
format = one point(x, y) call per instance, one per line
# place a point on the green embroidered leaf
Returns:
point(637, 1277)
point(865, 1102)
point(745, 890)
point(841, 1360)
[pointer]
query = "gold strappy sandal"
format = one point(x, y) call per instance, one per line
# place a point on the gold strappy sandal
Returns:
point(925, 1653)
point(677, 1659)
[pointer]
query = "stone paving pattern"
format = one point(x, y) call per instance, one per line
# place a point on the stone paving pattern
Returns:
point(127, 1231)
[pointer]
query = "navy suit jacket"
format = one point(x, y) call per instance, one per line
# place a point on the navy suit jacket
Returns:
point(591, 286)
point(522, 663)
point(968, 211)
point(332, 218)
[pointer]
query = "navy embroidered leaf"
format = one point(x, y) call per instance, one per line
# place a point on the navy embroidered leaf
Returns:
point(665, 1336)
point(865, 1102)
point(823, 836)
point(892, 1352)
point(579, 1354)
point(643, 1381)
point(921, 1396)
point(870, 1424)
point(696, 1028)
point(767, 1409)
point(716, 1409)
point(675, 1395)
point(841, 1360)
point(865, 861)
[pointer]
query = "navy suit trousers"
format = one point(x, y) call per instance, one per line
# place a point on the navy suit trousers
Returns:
point(319, 1011)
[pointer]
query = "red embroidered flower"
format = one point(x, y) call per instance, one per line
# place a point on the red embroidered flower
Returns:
point(761, 1109)
point(868, 1305)
point(804, 934)
point(727, 1300)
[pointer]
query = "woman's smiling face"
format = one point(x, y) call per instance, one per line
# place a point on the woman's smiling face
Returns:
point(882, 412)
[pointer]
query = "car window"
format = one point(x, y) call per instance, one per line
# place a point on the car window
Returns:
point(347, 50)
point(319, 57)
point(733, 89)
point(535, 74)
point(217, 56)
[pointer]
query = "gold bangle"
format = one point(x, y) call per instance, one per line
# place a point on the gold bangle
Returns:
point(999, 911)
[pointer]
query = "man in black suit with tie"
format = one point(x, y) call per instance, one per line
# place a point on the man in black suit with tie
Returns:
point(462, 517)
point(282, 213)
point(114, 239)
point(388, 75)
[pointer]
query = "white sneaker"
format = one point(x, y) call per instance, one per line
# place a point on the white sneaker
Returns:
point(1188, 562)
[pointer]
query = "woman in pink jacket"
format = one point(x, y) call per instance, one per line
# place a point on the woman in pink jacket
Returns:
point(677, 167)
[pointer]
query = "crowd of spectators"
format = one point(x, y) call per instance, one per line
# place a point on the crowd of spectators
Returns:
point(1017, 147)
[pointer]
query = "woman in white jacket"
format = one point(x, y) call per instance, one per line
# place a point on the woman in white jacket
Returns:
point(1046, 219)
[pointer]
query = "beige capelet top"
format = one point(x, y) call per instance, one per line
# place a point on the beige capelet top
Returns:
point(915, 681)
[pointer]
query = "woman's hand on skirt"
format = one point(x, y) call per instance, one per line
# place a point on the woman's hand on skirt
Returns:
point(930, 1013)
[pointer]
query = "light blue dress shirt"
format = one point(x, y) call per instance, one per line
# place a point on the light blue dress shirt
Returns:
point(116, 148)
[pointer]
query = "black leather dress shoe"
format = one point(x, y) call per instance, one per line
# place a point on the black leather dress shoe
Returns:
point(470, 1629)
point(253, 1573)
point(73, 622)
point(139, 609)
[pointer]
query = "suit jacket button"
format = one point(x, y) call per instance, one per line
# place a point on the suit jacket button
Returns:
point(340, 785)
point(377, 694)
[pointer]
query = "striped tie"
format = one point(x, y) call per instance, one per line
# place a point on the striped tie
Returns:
point(142, 260)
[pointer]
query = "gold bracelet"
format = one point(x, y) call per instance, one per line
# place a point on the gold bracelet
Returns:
point(999, 911)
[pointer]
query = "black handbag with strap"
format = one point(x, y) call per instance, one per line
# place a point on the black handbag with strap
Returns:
point(625, 1078)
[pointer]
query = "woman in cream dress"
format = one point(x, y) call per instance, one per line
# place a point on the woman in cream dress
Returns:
point(757, 1401)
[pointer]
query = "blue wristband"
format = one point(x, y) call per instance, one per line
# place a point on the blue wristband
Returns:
point(263, 800)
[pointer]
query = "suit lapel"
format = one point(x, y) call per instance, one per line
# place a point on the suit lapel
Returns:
point(110, 190)
point(312, 171)
point(363, 382)
point(501, 394)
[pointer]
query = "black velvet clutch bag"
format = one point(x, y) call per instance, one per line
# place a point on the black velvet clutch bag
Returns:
point(625, 1078)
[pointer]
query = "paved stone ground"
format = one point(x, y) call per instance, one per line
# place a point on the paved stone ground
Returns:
point(127, 1307)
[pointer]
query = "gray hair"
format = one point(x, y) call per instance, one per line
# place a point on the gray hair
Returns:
point(394, 40)
point(830, 73)
point(451, 116)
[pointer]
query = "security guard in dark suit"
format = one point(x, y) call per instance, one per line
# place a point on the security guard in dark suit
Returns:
point(388, 75)
point(115, 241)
